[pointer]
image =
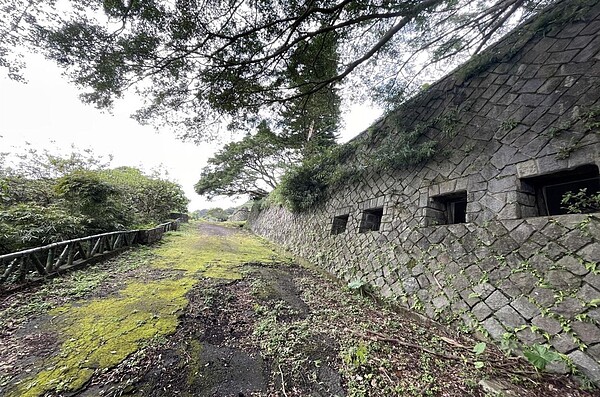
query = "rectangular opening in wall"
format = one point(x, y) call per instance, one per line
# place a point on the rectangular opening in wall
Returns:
point(563, 192)
point(449, 208)
point(339, 224)
point(371, 220)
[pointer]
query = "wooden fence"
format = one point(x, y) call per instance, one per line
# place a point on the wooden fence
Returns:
point(22, 266)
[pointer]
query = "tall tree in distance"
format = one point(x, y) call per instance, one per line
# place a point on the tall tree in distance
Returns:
point(252, 166)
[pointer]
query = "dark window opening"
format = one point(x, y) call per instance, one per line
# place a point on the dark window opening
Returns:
point(543, 195)
point(449, 208)
point(339, 224)
point(371, 220)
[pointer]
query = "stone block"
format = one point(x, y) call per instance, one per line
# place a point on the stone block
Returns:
point(575, 240)
point(588, 333)
point(496, 300)
point(494, 328)
point(590, 253)
point(481, 311)
point(440, 302)
point(573, 265)
point(594, 352)
point(522, 233)
point(587, 293)
point(593, 280)
point(568, 308)
point(469, 297)
point(563, 280)
point(509, 288)
point(541, 263)
point(548, 324)
point(527, 309)
point(551, 84)
point(529, 337)
point(593, 230)
point(484, 290)
point(497, 185)
point(423, 281)
point(563, 343)
point(571, 31)
point(553, 250)
point(509, 317)
point(386, 291)
point(460, 282)
point(505, 155)
point(561, 57)
point(511, 224)
point(591, 29)
point(557, 367)
point(587, 365)
point(410, 285)
point(498, 276)
point(532, 85)
point(527, 168)
point(525, 281)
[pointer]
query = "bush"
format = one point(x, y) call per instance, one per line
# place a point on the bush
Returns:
point(99, 202)
point(303, 187)
point(30, 225)
point(307, 185)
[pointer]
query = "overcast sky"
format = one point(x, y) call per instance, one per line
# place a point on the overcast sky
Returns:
point(47, 109)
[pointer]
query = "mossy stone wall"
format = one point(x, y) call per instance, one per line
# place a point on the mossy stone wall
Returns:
point(508, 274)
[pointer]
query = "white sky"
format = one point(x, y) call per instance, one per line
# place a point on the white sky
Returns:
point(47, 109)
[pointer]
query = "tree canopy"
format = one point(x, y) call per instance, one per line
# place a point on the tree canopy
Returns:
point(199, 63)
point(306, 125)
point(251, 166)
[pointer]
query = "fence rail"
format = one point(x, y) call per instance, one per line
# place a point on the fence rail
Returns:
point(18, 267)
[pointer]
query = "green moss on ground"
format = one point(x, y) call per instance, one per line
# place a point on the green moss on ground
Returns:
point(213, 256)
point(100, 333)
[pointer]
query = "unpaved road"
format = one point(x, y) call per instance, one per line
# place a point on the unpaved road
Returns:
point(263, 327)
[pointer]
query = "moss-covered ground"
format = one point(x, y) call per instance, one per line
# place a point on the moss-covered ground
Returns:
point(213, 311)
point(97, 333)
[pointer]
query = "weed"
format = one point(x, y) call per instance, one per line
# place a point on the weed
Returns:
point(540, 356)
point(509, 124)
point(361, 287)
point(356, 355)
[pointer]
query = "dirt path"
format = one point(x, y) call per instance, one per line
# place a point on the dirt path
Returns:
point(214, 311)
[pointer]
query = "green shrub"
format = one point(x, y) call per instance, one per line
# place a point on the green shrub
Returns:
point(307, 185)
point(99, 202)
point(303, 187)
point(581, 202)
point(31, 225)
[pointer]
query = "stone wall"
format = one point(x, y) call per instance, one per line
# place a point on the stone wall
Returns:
point(530, 111)
point(240, 215)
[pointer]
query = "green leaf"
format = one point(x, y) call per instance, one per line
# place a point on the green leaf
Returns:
point(479, 364)
point(540, 356)
point(356, 284)
point(479, 348)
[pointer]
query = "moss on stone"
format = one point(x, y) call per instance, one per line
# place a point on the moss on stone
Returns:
point(100, 333)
